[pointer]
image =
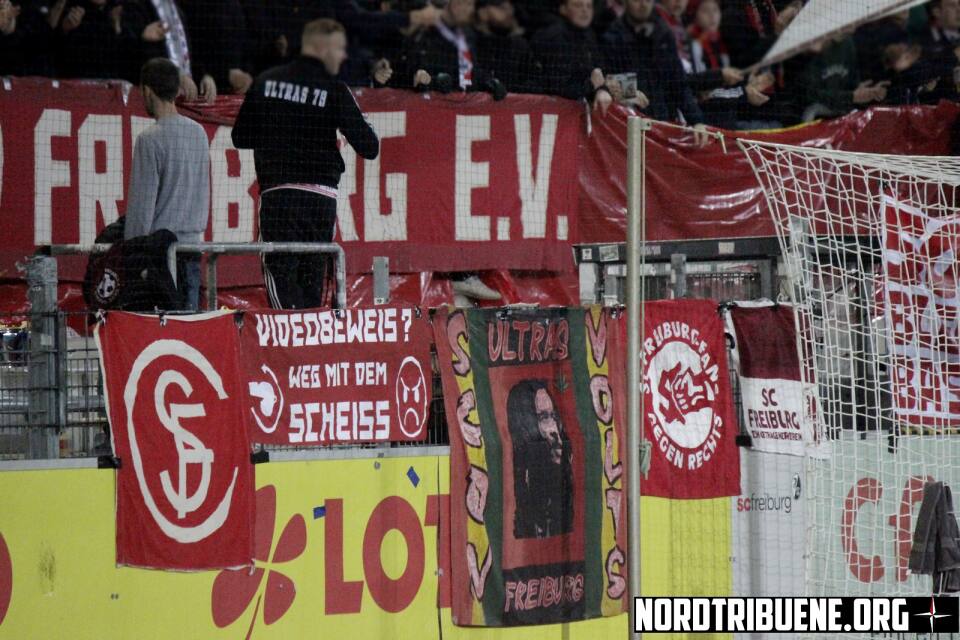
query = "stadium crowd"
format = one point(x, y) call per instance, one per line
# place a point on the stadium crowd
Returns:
point(681, 60)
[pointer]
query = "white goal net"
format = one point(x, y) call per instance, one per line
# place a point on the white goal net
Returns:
point(871, 246)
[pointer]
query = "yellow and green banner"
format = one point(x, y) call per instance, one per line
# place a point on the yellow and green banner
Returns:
point(537, 484)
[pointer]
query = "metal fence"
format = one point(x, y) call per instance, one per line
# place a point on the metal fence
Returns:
point(51, 393)
point(77, 427)
point(213, 250)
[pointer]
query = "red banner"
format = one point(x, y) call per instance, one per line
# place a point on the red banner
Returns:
point(185, 485)
point(777, 406)
point(337, 377)
point(708, 193)
point(920, 265)
point(462, 182)
point(688, 402)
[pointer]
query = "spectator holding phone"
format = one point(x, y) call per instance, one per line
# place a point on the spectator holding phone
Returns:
point(639, 42)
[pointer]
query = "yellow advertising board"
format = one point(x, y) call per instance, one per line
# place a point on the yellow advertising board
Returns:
point(345, 549)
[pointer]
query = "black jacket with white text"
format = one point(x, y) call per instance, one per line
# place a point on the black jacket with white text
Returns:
point(290, 118)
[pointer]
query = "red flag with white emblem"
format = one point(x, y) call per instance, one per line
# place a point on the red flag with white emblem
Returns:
point(185, 485)
point(688, 402)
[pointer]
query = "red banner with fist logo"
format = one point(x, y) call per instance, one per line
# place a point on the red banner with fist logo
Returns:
point(688, 402)
point(185, 487)
point(326, 377)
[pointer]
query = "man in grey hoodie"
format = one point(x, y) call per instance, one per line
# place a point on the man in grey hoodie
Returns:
point(170, 174)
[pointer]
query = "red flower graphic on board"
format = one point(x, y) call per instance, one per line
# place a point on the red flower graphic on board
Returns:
point(234, 590)
point(6, 578)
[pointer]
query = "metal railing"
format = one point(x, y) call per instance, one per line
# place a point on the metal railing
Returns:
point(52, 403)
point(51, 394)
point(213, 250)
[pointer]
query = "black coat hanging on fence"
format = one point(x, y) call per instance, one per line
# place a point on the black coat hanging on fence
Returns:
point(133, 275)
point(936, 539)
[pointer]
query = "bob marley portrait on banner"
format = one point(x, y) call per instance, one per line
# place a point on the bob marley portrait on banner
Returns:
point(542, 454)
point(536, 478)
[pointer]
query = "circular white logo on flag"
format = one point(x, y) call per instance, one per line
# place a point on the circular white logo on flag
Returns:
point(682, 385)
point(170, 399)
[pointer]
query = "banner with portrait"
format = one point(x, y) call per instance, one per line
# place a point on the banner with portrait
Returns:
point(537, 501)
point(185, 485)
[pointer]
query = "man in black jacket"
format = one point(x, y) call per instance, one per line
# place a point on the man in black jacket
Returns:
point(502, 50)
point(941, 49)
point(27, 36)
point(290, 119)
point(276, 28)
point(571, 57)
point(89, 39)
point(639, 42)
point(443, 57)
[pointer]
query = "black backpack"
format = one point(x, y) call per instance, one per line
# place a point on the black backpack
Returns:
point(133, 275)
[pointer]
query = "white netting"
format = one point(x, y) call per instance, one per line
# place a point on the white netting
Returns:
point(871, 246)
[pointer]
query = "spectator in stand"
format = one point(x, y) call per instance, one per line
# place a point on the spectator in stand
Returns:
point(872, 39)
point(277, 28)
point(832, 83)
point(218, 48)
point(571, 57)
point(159, 31)
point(27, 36)
point(673, 14)
point(728, 96)
point(886, 51)
point(640, 43)
point(501, 48)
point(91, 40)
point(170, 175)
point(941, 49)
point(703, 79)
point(750, 27)
point(444, 57)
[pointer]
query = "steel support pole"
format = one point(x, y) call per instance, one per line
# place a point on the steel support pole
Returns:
point(43, 412)
point(636, 239)
point(211, 281)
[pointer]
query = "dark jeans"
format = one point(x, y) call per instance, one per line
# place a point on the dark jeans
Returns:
point(297, 280)
point(188, 281)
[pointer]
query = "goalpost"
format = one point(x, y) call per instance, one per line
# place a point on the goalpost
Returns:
point(871, 246)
